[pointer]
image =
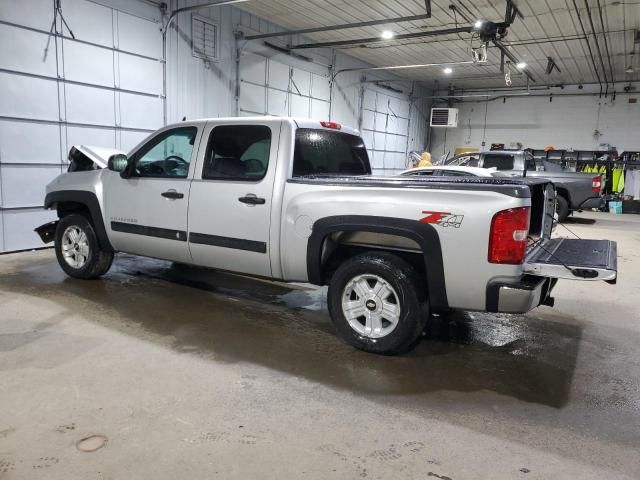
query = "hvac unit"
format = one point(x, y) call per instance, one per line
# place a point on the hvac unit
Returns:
point(444, 117)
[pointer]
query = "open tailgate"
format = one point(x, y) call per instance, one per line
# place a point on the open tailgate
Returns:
point(574, 259)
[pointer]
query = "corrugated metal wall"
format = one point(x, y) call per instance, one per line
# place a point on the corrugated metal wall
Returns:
point(105, 88)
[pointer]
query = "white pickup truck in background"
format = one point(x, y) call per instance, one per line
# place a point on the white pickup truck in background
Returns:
point(295, 200)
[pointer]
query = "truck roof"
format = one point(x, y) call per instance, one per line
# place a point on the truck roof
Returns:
point(299, 122)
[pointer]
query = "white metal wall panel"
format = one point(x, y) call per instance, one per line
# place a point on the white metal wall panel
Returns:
point(89, 105)
point(101, 137)
point(88, 64)
point(28, 97)
point(23, 185)
point(139, 74)
point(18, 227)
point(90, 22)
point(139, 36)
point(102, 88)
point(32, 13)
point(129, 139)
point(138, 111)
point(26, 142)
point(29, 57)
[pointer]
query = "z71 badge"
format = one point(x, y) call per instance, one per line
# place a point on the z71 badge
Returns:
point(444, 219)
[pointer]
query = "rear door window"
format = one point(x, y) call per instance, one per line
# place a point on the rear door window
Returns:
point(498, 161)
point(326, 152)
point(237, 152)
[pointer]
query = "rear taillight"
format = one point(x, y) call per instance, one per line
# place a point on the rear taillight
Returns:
point(508, 236)
point(596, 184)
point(331, 125)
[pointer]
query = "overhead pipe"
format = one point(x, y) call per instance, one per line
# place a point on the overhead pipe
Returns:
point(373, 40)
point(593, 60)
point(595, 39)
point(346, 26)
point(606, 46)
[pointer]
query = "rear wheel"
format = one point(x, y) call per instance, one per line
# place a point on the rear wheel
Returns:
point(77, 248)
point(377, 303)
point(562, 208)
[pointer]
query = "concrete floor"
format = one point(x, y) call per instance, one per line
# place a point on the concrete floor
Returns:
point(190, 373)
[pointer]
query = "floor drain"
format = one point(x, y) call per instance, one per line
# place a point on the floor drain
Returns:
point(92, 443)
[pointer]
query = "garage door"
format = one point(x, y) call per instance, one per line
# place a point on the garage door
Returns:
point(269, 87)
point(385, 128)
point(103, 88)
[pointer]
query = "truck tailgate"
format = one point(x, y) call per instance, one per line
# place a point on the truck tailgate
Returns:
point(574, 259)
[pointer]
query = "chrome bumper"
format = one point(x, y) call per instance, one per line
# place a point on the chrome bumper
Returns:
point(519, 296)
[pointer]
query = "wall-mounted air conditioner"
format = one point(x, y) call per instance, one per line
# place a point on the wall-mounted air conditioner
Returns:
point(444, 117)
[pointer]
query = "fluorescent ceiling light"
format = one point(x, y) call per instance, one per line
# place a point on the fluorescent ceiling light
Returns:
point(448, 70)
point(521, 65)
point(478, 24)
point(387, 35)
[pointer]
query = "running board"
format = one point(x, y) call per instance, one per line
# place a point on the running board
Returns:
point(574, 259)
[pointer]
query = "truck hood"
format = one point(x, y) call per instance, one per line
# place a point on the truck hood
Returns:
point(86, 157)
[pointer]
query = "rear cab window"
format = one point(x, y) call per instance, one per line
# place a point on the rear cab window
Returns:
point(329, 152)
point(500, 161)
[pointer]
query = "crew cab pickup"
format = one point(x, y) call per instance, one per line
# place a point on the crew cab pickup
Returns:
point(294, 200)
point(576, 191)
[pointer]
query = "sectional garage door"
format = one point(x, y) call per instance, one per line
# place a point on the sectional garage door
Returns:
point(268, 87)
point(104, 88)
point(385, 129)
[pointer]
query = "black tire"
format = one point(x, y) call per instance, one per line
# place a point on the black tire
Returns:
point(98, 261)
point(562, 208)
point(412, 299)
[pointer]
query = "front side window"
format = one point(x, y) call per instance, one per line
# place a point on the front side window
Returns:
point(167, 155)
point(326, 152)
point(237, 152)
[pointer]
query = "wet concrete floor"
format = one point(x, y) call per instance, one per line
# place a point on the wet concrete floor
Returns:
point(184, 372)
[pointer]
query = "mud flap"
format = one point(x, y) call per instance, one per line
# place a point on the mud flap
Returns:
point(47, 232)
point(574, 259)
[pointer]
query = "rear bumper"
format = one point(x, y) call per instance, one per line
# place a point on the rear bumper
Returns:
point(506, 295)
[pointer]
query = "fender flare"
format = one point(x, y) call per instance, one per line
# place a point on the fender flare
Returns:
point(423, 234)
point(88, 199)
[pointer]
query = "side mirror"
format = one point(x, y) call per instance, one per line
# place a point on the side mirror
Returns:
point(118, 162)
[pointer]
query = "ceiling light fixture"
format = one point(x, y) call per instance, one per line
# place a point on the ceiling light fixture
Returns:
point(478, 24)
point(448, 70)
point(387, 35)
point(521, 65)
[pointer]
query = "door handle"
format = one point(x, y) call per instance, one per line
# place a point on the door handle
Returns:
point(252, 199)
point(172, 194)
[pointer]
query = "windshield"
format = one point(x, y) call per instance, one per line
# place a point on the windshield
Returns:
point(328, 152)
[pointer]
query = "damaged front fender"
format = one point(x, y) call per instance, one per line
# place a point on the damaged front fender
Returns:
point(47, 232)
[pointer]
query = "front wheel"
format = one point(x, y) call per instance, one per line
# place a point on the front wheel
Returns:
point(77, 248)
point(378, 303)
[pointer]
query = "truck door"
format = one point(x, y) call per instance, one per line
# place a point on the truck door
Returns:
point(231, 197)
point(146, 214)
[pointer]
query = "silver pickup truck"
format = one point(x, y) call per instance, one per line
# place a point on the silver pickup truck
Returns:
point(575, 191)
point(294, 200)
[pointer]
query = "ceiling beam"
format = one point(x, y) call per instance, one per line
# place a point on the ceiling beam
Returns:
point(374, 40)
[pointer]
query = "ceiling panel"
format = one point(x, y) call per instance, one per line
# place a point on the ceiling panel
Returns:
point(549, 28)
